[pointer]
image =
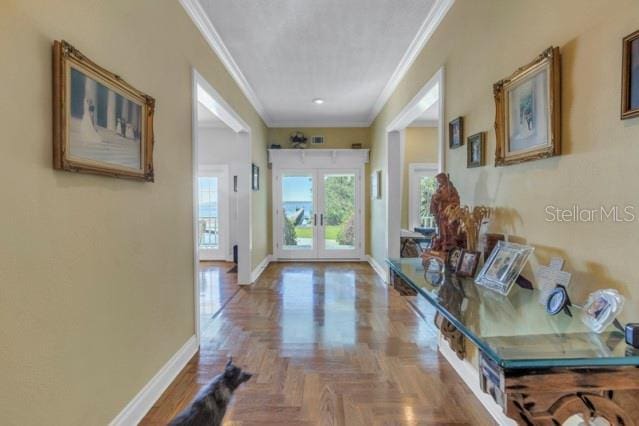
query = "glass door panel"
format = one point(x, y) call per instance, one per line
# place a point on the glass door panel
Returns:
point(339, 214)
point(298, 216)
point(208, 234)
point(338, 217)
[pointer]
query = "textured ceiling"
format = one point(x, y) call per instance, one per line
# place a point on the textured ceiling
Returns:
point(292, 51)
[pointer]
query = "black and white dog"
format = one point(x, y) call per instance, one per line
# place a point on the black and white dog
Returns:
point(209, 406)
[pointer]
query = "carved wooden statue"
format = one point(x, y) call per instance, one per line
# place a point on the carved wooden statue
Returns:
point(444, 197)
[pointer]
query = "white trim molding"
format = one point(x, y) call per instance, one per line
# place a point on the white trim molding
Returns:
point(383, 273)
point(260, 268)
point(470, 376)
point(137, 408)
point(201, 20)
point(428, 27)
point(311, 124)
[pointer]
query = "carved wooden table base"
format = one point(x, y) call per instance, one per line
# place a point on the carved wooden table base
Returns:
point(551, 397)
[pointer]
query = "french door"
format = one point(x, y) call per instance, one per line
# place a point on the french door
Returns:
point(318, 213)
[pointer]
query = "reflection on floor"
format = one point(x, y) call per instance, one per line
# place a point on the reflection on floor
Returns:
point(217, 287)
point(329, 343)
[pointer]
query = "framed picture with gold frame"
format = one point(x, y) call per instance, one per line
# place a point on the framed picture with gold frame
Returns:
point(528, 111)
point(101, 124)
point(630, 77)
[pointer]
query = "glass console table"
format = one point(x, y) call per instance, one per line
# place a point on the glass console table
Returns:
point(541, 369)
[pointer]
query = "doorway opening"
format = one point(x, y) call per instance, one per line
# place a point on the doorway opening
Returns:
point(221, 200)
point(416, 147)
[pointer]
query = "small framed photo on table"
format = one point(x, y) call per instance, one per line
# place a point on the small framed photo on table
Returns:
point(503, 267)
point(468, 262)
point(454, 256)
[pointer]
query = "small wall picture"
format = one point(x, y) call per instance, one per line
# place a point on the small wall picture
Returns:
point(456, 133)
point(101, 124)
point(376, 185)
point(255, 177)
point(476, 157)
point(630, 79)
point(468, 262)
point(527, 124)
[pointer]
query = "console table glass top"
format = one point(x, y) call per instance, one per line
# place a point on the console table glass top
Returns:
point(516, 331)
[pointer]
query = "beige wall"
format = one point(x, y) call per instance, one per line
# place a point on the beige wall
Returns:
point(420, 146)
point(334, 138)
point(96, 273)
point(482, 42)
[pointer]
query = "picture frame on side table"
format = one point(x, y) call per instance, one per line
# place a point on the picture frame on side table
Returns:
point(456, 133)
point(476, 150)
point(630, 77)
point(468, 262)
point(528, 111)
point(454, 256)
point(503, 266)
point(101, 124)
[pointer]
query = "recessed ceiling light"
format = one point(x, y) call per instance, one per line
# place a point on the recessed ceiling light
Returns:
point(318, 101)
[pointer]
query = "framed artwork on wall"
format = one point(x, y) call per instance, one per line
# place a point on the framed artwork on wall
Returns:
point(475, 155)
point(376, 185)
point(101, 124)
point(528, 111)
point(630, 77)
point(456, 133)
point(255, 177)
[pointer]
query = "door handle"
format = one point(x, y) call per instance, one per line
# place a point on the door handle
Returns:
point(322, 219)
point(315, 220)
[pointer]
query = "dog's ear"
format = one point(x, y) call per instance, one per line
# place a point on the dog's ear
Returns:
point(244, 377)
point(228, 364)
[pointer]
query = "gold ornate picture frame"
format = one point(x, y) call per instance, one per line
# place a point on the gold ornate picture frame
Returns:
point(528, 111)
point(630, 77)
point(101, 124)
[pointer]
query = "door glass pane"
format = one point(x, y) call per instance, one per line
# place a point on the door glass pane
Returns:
point(208, 217)
point(298, 209)
point(427, 186)
point(339, 211)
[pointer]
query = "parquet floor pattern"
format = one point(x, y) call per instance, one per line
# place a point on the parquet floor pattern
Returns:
point(329, 344)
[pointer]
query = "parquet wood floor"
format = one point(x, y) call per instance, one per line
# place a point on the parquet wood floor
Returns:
point(329, 344)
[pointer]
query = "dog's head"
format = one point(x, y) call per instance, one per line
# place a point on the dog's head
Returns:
point(234, 376)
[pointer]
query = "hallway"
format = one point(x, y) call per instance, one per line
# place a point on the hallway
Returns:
point(329, 343)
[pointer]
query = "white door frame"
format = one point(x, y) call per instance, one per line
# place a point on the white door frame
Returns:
point(203, 92)
point(314, 160)
point(430, 93)
point(221, 171)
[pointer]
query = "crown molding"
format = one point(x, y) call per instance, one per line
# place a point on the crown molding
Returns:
point(199, 17)
point(307, 124)
point(426, 30)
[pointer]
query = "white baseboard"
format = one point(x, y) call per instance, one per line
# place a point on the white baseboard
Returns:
point(137, 408)
point(470, 375)
point(381, 271)
point(260, 268)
